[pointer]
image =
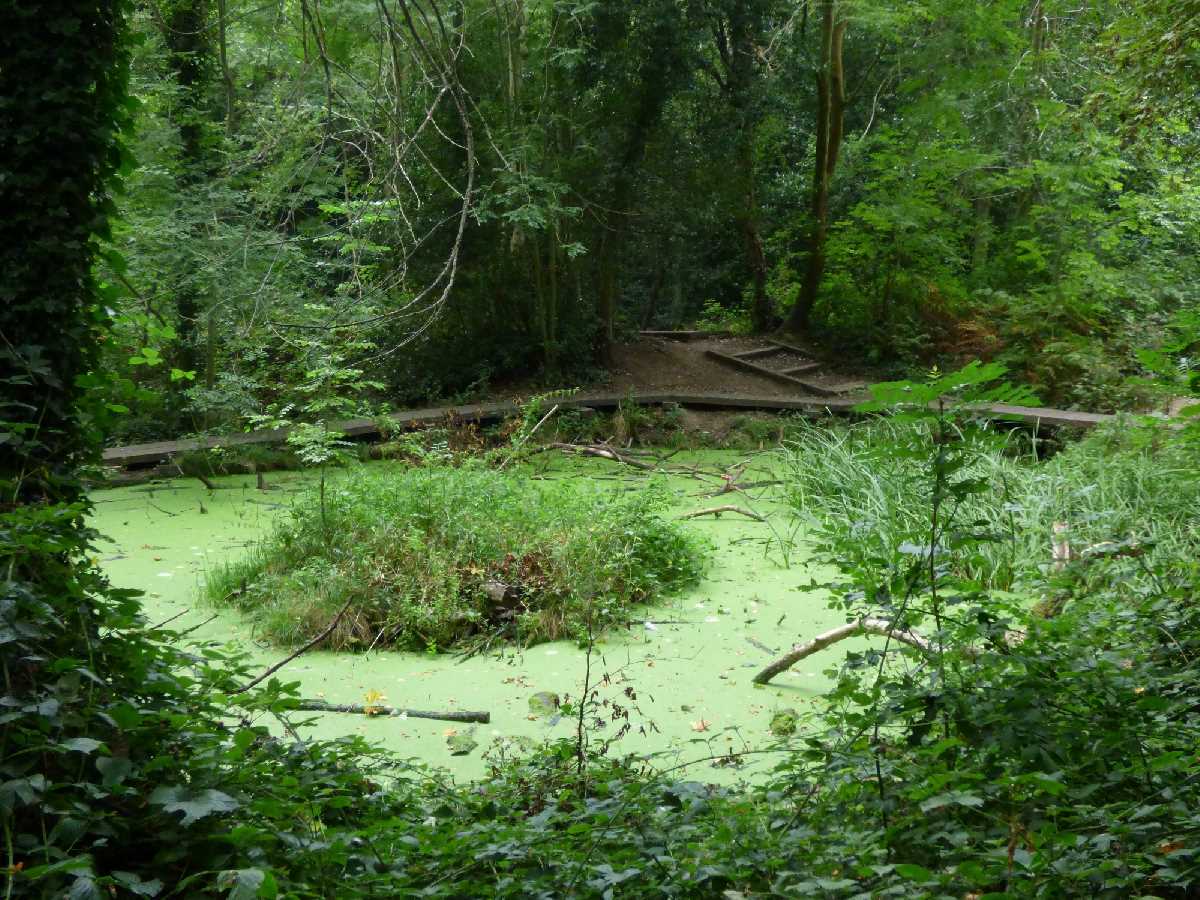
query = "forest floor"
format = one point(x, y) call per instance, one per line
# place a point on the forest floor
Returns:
point(655, 364)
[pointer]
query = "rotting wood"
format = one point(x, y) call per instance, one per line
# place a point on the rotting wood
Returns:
point(383, 711)
point(717, 510)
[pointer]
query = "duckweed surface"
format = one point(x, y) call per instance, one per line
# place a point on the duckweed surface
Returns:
point(689, 663)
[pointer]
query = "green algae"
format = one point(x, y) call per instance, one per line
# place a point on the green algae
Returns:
point(689, 662)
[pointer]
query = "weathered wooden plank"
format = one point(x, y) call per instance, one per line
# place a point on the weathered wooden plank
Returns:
point(770, 373)
point(783, 345)
point(802, 370)
point(1039, 415)
point(156, 452)
point(757, 353)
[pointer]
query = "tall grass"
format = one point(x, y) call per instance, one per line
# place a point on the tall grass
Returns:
point(433, 558)
point(867, 487)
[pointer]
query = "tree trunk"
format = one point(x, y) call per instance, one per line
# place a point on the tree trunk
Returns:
point(226, 74)
point(186, 36)
point(831, 100)
point(57, 134)
point(738, 50)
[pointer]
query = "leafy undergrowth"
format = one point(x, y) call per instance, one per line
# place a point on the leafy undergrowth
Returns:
point(1012, 756)
point(434, 558)
point(868, 487)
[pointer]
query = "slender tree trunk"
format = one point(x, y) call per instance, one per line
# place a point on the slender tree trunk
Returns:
point(186, 36)
point(983, 236)
point(738, 50)
point(226, 74)
point(831, 99)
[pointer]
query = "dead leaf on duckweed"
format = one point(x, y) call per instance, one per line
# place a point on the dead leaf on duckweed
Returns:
point(701, 725)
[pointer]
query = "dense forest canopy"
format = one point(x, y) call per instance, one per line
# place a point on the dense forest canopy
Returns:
point(447, 194)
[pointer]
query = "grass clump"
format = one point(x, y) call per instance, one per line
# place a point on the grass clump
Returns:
point(436, 558)
point(867, 488)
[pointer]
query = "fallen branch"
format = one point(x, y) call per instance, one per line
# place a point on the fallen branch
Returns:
point(374, 710)
point(717, 510)
point(283, 662)
point(520, 443)
point(820, 642)
point(602, 452)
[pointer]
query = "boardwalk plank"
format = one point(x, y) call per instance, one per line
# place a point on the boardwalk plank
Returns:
point(156, 452)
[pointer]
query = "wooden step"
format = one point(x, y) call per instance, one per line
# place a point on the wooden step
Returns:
point(802, 370)
point(773, 374)
point(758, 352)
point(785, 346)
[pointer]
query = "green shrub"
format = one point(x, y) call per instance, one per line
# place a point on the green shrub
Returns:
point(432, 558)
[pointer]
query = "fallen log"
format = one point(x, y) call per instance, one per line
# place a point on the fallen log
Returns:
point(602, 453)
point(717, 510)
point(850, 629)
point(376, 710)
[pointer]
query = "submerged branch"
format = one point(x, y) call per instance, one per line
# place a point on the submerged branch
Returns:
point(374, 710)
point(283, 662)
point(717, 510)
point(603, 452)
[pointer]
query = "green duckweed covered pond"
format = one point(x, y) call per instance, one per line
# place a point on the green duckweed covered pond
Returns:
point(690, 660)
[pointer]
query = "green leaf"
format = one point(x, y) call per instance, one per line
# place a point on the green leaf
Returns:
point(248, 884)
point(81, 744)
point(914, 872)
point(194, 805)
point(113, 769)
point(84, 888)
point(134, 884)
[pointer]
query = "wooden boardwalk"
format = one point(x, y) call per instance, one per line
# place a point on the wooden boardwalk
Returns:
point(153, 453)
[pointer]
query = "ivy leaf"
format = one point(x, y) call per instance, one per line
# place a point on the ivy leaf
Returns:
point(134, 884)
point(194, 805)
point(84, 888)
point(81, 744)
point(248, 884)
point(113, 769)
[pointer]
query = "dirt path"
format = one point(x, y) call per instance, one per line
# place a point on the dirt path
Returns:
point(654, 364)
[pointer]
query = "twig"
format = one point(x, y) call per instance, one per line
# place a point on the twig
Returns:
point(283, 662)
point(760, 645)
point(717, 510)
point(373, 710)
point(170, 620)
point(188, 631)
point(532, 432)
